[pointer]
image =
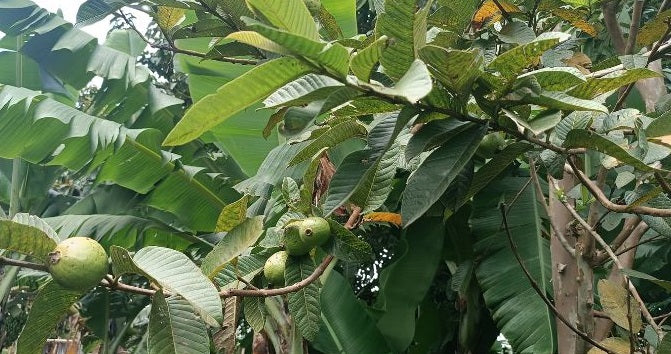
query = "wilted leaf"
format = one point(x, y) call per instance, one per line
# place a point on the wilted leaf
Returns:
point(232, 215)
point(613, 298)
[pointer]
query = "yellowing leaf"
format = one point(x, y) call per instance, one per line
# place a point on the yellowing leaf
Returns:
point(256, 40)
point(664, 140)
point(573, 17)
point(614, 302)
point(617, 345)
point(489, 11)
point(393, 218)
point(169, 17)
point(653, 30)
point(232, 215)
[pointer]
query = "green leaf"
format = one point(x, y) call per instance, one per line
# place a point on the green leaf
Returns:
point(290, 192)
point(308, 88)
point(659, 127)
point(363, 174)
point(640, 275)
point(514, 61)
point(175, 273)
point(246, 267)
point(434, 134)
point(456, 69)
point(290, 15)
point(48, 309)
point(600, 85)
point(613, 298)
point(582, 138)
point(174, 327)
point(28, 239)
point(257, 40)
point(405, 282)
point(415, 84)
point(363, 61)
point(397, 22)
point(653, 30)
point(346, 246)
point(332, 56)
point(556, 79)
point(232, 244)
point(435, 174)
point(376, 185)
point(254, 310)
point(304, 303)
point(335, 135)
point(519, 313)
point(345, 321)
point(344, 12)
point(493, 168)
point(232, 215)
point(238, 94)
point(557, 100)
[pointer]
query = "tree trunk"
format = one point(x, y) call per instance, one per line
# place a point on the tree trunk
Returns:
point(565, 273)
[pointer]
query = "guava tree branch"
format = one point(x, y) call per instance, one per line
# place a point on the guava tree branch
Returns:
point(23, 264)
point(613, 257)
point(174, 49)
point(603, 199)
point(539, 291)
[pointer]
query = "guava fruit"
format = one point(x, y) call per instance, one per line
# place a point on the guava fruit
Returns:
point(301, 236)
point(490, 144)
point(78, 263)
point(273, 270)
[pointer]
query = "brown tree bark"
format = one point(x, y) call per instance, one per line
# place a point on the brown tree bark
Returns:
point(565, 272)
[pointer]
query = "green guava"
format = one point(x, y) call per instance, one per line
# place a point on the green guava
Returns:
point(301, 236)
point(273, 270)
point(78, 263)
point(490, 144)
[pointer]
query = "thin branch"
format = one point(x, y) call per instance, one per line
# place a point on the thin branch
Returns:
point(625, 250)
point(630, 225)
point(505, 13)
point(609, 10)
point(635, 25)
point(616, 260)
point(23, 264)
point(598, 194)
point(540, 292)
point(663, 183)
point(174, 49)
point(244, 281)
point(539, 190)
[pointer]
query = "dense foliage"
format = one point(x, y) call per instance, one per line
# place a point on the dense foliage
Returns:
point(414, 176)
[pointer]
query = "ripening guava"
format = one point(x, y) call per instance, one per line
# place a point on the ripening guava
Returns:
point(301, 236)
point(273, 270)
point(78, 263)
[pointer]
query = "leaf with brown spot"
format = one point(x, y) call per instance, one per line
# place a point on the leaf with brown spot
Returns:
point(617, 345)
point(490, 12)
point(574, 18)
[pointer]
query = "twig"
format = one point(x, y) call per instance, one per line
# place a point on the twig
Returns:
point(539, 190)
point(244, 281)
point(612, 255)
point(632, 335)
point(651, 56)
point(540, 292)
point(663, 183)
point(505, 13)
point(598, 194)
point(281, 291)
point(636, 12)
point(23, 264)
point(625, 250)
point(174, 49)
